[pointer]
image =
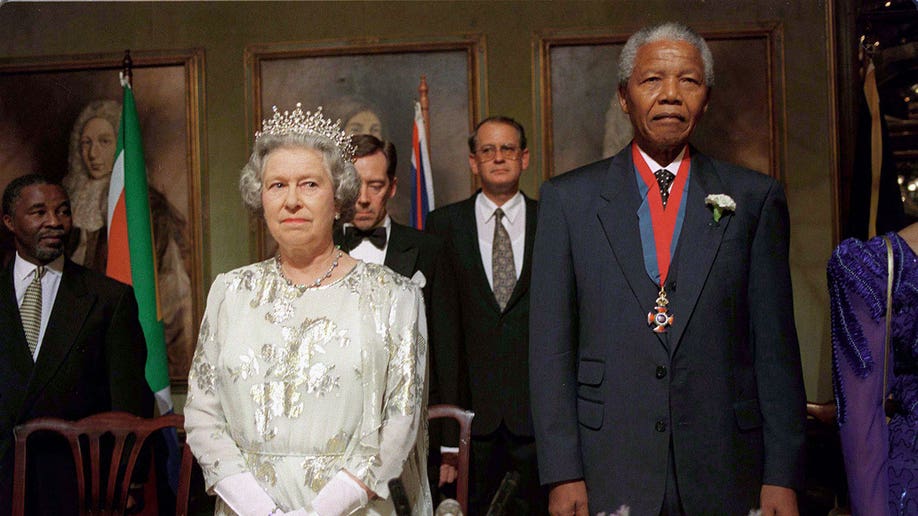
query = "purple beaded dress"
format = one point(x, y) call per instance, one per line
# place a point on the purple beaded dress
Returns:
point(881, 460)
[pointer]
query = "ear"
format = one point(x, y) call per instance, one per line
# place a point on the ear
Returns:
point(622, 101)
point(524, 159)
point(8, 222)
point(473, 164)
point(393, 187)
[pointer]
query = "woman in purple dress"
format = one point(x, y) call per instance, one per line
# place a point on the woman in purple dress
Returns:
point(881, 459)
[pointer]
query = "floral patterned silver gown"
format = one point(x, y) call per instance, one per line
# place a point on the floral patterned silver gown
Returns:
point(294, 384)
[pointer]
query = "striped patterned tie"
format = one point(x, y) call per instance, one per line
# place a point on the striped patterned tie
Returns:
point(30, 311)
point(503, 269)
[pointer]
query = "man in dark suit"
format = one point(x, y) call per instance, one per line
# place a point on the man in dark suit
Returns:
point(482, 358)
point(665, 367)
point(373, 236)
point(70, 344)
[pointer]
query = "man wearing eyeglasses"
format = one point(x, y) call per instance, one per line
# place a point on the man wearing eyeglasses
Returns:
point(482, 362)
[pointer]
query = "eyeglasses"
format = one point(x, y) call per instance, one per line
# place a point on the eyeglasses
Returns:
point(508, 152)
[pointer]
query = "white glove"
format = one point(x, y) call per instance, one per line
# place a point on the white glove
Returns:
point(341, 495)
point(300, 512)
point(245, 496)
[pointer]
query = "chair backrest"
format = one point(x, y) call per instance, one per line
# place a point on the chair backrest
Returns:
point(823, 412)
point(93, 440)
point(464, 418)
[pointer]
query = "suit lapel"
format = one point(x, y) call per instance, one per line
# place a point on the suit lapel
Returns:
point(71, 306)
point(467, 239)
point(619, 221)
point(17, 365)
point(522, 283)
point(401, 252)
point(698, 243)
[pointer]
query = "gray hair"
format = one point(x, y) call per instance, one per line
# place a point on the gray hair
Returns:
point(345, 179)
point(672, 31)
point(77, 173)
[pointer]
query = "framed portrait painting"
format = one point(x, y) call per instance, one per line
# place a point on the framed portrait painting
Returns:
point(582, 120)
point(371, 86)
point(60, 116)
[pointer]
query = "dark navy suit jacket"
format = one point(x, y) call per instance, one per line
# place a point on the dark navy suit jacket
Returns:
point(724, 386)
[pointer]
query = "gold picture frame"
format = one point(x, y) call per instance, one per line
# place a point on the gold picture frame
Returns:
point(43, 98)
point(354, 76)
point(575, 82)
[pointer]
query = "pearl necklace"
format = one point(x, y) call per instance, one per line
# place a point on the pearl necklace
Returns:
point(318, 280)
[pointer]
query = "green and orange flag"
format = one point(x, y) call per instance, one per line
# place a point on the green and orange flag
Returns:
point(131, 257)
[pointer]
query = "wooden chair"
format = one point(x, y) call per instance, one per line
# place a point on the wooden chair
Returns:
point(108, 430)
point(822, 412)
point(464, 418)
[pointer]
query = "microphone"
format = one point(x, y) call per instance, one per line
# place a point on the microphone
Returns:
point(399, 498)
point(507, 487)
point(449, 507)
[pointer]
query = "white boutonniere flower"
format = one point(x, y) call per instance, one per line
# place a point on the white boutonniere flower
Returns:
point(720, 203)
point(624, 510)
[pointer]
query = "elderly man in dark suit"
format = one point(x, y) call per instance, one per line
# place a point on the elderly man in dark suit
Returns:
point(70, 343)
point(482, 360)
point(665, 368)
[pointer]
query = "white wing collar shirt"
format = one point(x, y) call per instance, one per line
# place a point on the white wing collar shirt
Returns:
point(368, 252)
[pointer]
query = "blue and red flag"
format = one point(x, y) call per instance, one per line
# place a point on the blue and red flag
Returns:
point(422, 195)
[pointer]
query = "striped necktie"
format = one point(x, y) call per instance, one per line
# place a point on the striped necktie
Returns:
point(30, 311)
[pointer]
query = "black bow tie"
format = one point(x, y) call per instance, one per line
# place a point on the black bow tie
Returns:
point(354, 235)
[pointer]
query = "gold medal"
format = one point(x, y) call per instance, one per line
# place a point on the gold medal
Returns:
point(659, 319)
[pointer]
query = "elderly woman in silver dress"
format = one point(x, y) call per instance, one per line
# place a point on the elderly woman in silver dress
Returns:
point(306, 393)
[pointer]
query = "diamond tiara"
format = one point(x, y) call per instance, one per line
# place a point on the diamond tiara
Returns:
point(297, 122)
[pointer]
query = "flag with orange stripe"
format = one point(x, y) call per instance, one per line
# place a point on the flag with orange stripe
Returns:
point(131, 257)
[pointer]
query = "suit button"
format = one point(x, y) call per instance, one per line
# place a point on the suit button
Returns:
point(661, 372)
point(660, 426)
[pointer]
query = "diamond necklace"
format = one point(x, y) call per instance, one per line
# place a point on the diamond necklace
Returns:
point(318, 280)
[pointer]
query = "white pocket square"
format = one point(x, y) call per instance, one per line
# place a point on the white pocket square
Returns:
point(419, 279)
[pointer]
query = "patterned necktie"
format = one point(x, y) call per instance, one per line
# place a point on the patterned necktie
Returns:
point(30, 311)
point(503, 269)
point(664, 179)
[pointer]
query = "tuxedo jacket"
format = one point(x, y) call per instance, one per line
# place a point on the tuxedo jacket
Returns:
point(482, 351)
point(407, 252)
point(91, 360)
point(722, 390)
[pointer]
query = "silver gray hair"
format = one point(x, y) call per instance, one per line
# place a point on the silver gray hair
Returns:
point(345, 179)
point(672, 31)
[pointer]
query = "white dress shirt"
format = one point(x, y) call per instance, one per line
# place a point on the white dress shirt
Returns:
point(368, 252)
point(23, 272)
point(515, 223)
point(672, 167)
